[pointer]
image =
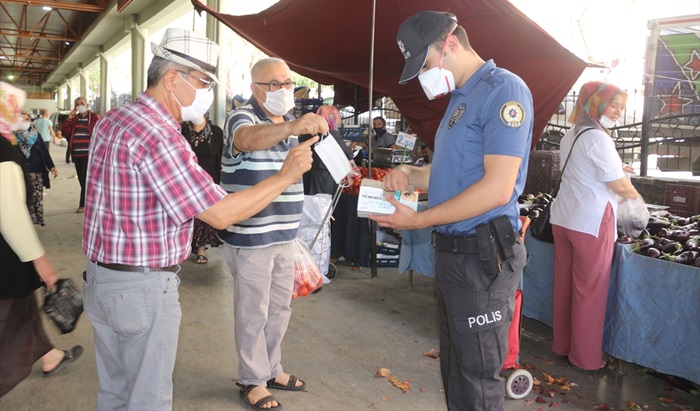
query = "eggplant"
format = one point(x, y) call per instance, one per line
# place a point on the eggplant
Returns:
point(652, 252)
point(687, 257)
point(623, 239)
point(670, 247)
point(664, 232)
point(679, 235)
point(647, 243)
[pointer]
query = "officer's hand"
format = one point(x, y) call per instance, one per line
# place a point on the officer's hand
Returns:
point(403, 218)
point(310, 123)
point(298, 160)
point(396, 180)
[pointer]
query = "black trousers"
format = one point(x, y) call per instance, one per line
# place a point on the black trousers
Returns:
point(474, 311)
point(81, 165)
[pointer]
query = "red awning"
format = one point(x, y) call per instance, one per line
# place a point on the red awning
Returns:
point(329, 42)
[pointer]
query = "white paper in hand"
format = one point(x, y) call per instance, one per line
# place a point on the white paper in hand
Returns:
point(334, 158)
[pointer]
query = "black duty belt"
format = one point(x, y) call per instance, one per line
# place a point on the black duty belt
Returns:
point(456, 245)
point(136, 268)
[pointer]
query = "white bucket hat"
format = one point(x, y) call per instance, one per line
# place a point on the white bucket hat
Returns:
point(188, 49)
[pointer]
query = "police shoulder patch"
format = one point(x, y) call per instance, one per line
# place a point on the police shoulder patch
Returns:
point(512, 114)
point(457, 114)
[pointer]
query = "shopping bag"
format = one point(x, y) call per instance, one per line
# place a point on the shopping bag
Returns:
point(632, 216)
point(307, 275)
point(63, 305)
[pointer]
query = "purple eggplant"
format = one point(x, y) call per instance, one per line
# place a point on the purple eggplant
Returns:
point(652, 252)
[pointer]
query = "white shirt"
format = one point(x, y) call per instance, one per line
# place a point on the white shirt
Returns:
point(584, 194)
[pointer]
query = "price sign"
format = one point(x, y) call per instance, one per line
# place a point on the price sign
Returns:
point(406, 140)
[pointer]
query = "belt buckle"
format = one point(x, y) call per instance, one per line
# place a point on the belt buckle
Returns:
point(455, 248)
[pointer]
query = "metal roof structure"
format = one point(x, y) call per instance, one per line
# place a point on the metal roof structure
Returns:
point(44, 42)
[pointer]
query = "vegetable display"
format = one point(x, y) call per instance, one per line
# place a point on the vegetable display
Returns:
point(666, 237)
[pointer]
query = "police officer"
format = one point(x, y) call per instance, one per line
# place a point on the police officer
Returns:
point(480, 164)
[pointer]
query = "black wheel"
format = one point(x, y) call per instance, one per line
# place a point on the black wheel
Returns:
point(332, 271)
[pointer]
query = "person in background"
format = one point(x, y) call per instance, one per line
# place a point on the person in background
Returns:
point(583, 224)
point(45, 128)
point(382, 138)
point(144, 190)
point(207, 142)
point(260, 250)
point(478, 171)
point(39, 164)
point(24, 264)
point(319, 188)
point(78, 129)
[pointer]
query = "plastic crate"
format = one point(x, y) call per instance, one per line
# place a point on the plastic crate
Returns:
point(682, 200)
point(543, 171)
point(352, 133)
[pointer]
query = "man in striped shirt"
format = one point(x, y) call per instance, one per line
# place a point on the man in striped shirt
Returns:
point(260, 251)
point(78, 128)
point(144, 188)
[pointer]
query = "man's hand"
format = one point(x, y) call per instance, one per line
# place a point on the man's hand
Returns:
point(396, 180)
point(298, 160)
point(309, 123)
point(72, 114)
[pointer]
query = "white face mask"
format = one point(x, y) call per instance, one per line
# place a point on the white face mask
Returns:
point(23, 125)
point(203, 99)
point(437, 82)
point(198, 121)
point(81, 109)
point(606, 122)
point(279, 102)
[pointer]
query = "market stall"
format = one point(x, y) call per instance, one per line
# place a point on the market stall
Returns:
point(652, 314)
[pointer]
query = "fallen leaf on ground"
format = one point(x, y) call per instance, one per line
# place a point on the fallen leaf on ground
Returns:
point(540, 400)
point(669, 400)
point(383, 373)
point(603, 406)
point(432, 354)
point(548, 379)
point(403, 385)
point(553, 404)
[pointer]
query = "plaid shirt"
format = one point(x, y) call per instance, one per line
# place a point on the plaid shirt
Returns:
point(144, 187)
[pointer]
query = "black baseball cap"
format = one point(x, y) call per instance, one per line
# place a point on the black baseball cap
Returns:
point(415, 36)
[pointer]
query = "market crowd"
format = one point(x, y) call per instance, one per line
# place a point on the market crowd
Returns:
point(162, 182)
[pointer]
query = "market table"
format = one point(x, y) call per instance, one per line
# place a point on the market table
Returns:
point(652, 313)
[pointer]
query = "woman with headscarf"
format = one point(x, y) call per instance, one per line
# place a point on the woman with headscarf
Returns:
point(207, 142)
point(39, 164)
point(24, 264)
point(584, 224)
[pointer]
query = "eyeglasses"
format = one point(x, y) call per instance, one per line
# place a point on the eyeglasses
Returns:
point(276, 85)
point(208, 83)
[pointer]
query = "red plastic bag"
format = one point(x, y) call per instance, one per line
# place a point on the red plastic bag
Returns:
point(307, 275)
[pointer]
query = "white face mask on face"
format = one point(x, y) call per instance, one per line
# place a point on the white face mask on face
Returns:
point(437, 82)
point(198, 121)
point(607, 122)
point(279, 102)
point(203, 99)
point(81, 109)
point(23, 125)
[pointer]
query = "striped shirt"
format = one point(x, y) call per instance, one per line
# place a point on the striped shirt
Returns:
point(278, 222)
point(144, 187)
point(81, 136)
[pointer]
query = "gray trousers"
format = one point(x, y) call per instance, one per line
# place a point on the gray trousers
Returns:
point(475, 311)
point(136, 322)
point(263, 280)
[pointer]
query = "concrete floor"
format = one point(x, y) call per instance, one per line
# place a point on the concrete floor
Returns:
point(337, 340)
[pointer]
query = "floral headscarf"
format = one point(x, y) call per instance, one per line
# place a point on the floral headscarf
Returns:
point(11, 101)
point(593, 98)
point(331, 114)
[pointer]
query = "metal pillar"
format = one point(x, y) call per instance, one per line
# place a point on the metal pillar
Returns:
point(105, 87)
point(139, 37)
point(217, 112)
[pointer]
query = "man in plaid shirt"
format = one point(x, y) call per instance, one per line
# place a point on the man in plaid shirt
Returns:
point(144, 188)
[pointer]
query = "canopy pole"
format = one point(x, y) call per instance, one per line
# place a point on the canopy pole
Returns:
point(373, 224)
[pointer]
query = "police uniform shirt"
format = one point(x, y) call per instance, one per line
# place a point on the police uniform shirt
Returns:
point(491, 114)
